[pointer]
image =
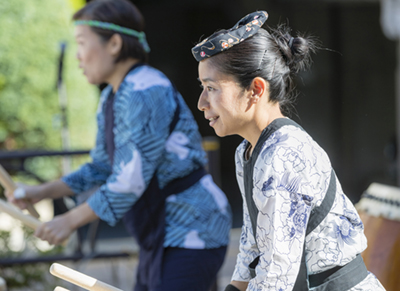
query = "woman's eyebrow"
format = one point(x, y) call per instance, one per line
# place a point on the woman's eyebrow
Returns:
point(206, 80)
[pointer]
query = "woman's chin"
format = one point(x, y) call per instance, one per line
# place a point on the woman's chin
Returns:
point(93, 82)
point(223, 133)
point(220, 133)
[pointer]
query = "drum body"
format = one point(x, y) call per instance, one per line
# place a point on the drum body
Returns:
point(379, 210)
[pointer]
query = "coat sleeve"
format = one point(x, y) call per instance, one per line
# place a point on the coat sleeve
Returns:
point(247, 247)
point(284, 209)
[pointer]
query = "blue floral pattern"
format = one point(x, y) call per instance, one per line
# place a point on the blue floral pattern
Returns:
point(290, 178)
point(345, 232)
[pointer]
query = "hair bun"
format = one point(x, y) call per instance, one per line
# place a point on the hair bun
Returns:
point(290, 42)
point(295, 50)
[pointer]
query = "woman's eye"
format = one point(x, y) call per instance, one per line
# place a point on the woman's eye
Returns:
point(209, 89)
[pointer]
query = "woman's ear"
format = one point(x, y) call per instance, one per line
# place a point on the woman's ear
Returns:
point(115, 44)
point(258, 88)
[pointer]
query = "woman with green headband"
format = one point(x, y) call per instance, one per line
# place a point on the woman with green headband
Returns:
point(300, 232)
point(148, 163)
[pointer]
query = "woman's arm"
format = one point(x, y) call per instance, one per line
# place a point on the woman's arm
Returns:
point(52, 190)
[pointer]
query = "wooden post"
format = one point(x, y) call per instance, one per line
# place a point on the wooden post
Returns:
point(3, 286)
point(397, 92)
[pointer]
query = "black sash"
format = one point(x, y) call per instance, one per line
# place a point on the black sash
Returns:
point(109, 120)
point(337, 279)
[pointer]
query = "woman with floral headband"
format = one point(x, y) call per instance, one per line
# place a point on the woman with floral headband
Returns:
point(148, 161)
point(300, 231)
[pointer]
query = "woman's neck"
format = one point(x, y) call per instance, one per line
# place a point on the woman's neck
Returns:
point(260, 122)
point(121, 69)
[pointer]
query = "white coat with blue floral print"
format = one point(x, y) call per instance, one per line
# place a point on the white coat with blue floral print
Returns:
point(290, 178)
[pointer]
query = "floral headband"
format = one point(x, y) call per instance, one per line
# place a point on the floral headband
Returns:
point(114, 27)
point(244, 28)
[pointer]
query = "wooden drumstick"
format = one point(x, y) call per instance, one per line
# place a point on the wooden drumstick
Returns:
point(15, 212)
point(58, 288)
point(9, 184)
point(26, 219)
point(79, 279)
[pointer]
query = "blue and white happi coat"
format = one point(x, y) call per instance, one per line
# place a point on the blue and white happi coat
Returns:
point(144, 106)
point(290, 178)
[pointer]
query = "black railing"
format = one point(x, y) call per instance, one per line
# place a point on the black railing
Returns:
point(14, 162)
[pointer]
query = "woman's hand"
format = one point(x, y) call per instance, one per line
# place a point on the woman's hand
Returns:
point(33, 194)
point(56, 231)
point(242, 286)
point(62, 226)
point(24, 194)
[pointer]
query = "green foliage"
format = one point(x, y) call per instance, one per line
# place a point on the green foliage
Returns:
point(30, 37)
point(77, 4)
point(30, 34)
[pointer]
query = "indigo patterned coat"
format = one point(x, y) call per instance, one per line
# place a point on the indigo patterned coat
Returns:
point(144, 106)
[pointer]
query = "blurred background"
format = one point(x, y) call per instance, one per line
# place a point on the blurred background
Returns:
point(346, 102)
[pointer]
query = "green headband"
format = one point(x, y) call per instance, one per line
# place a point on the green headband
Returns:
point(111, 26)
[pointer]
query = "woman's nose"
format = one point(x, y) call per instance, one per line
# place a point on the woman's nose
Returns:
point(202, 104)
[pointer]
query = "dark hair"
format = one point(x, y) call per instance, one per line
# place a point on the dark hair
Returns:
point(274, 56)
point(122, 13)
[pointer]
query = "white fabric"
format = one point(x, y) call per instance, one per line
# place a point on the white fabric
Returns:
point(193, 241)
point(219, 196)
point(386, 203)
point(130, 179)
point(146, 79)
point(176, 143)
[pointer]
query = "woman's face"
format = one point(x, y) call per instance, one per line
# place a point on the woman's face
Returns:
point(94, 55)
point(224, 102)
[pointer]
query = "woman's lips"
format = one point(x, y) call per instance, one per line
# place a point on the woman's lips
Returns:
point(213, 120)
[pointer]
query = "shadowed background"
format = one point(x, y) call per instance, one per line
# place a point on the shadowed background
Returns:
point(346, 101)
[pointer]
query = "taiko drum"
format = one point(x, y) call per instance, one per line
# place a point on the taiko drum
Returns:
point(379, 210)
